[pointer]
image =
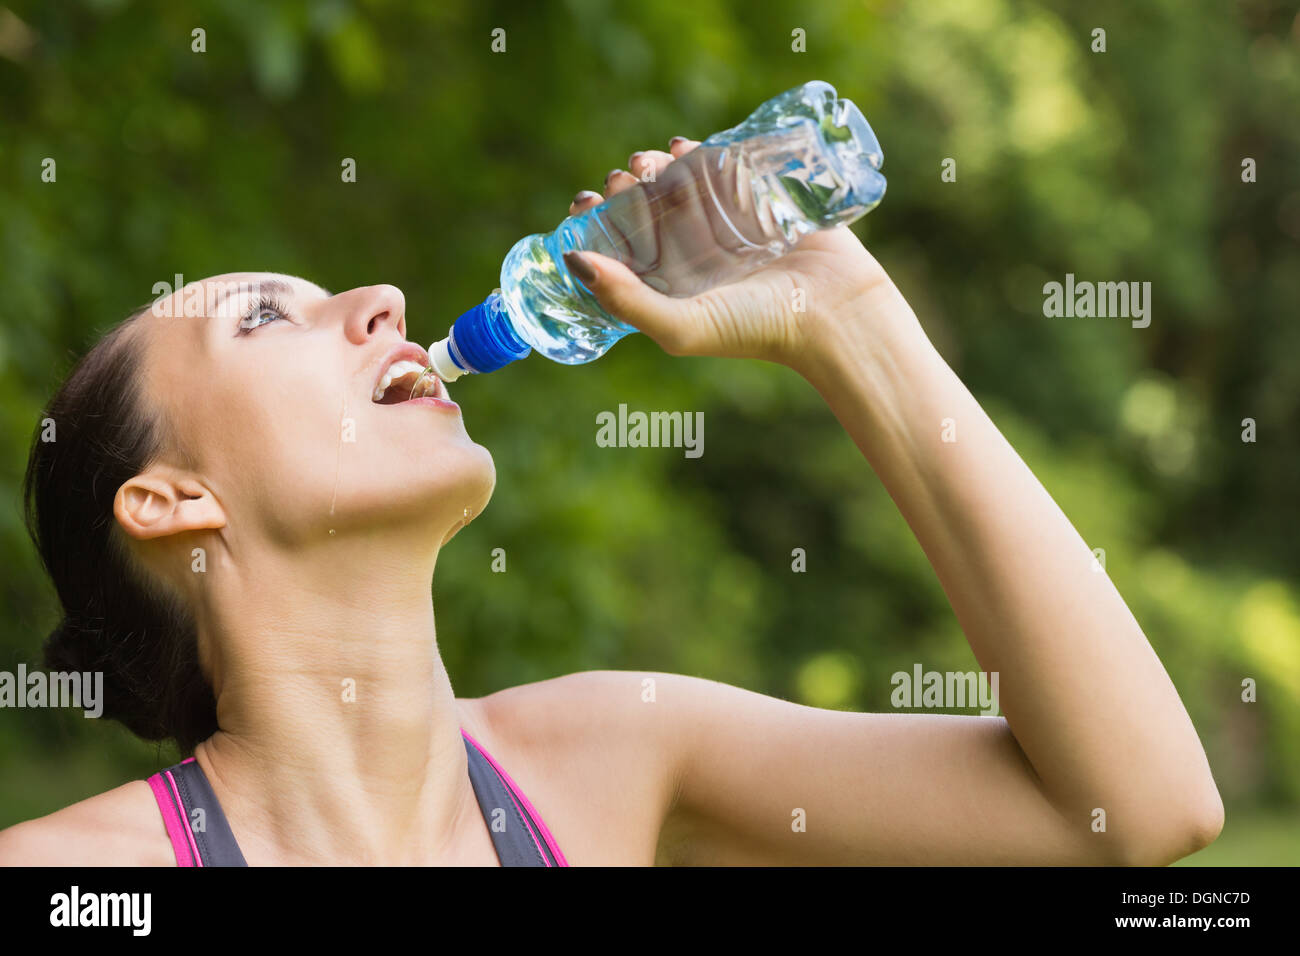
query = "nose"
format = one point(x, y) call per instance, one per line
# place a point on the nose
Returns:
point(371, 309)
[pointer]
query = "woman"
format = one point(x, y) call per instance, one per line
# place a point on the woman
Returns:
point(258, 590)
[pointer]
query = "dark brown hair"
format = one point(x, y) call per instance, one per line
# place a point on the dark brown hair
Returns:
point(116, 619)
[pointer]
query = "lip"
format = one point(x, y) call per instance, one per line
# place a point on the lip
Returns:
point(409, 351)
point(431, 401)
point(406, 350)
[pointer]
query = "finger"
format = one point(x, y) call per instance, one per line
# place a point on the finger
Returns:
point(646, 165)
point(585, 200)
point(618, 180)
point(671, 322)
point(679, 146)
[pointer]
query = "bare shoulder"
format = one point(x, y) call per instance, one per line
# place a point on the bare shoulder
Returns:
point(120, 827)
point(615, 716)
point(599, 750)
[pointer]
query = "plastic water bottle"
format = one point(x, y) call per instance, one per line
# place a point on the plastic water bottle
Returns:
point(803, 161)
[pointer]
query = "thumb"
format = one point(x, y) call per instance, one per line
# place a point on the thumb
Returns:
point(673, 323)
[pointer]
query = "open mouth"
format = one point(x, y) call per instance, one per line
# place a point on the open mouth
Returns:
point(407, 376)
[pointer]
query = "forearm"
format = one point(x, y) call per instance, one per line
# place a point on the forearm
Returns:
point(1085, 695)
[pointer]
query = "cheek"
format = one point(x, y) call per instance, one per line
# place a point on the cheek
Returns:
point(292, 451)
point(271, 439)
point(290, 428)
point(430, 467)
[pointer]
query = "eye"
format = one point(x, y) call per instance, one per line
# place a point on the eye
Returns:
point(263, 312)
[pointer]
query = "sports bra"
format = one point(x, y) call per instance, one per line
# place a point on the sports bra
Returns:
point(519, 834)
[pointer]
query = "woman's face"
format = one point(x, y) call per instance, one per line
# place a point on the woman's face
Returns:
point(268, 383)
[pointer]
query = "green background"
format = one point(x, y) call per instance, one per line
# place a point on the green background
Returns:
point(1124, 165)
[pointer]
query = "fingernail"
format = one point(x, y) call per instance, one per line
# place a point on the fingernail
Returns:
point(611, 174)
point(580, 267)
point(583, 195)
point(631, 160)
point(676, 139)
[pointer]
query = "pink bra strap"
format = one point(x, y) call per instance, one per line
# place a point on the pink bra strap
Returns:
point(169, 804)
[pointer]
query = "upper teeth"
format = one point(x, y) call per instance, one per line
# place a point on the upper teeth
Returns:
point(395, 371)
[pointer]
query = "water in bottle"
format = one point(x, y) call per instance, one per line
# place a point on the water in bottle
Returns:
point(803, 161)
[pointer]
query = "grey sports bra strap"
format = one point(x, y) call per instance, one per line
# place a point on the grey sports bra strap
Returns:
point(511, 837)
point(514, 845)
point(216, 843)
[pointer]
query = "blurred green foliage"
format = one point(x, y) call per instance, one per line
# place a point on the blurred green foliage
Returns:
point(1122, 165)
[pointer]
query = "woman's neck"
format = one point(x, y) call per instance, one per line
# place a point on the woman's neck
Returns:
point(340, 732)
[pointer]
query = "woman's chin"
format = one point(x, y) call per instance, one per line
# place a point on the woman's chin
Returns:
point(459, 494)
point(428, 500)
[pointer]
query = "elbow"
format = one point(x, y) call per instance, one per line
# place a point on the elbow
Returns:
point(1207, 826)
point(1200, 829)
point(1184, 827)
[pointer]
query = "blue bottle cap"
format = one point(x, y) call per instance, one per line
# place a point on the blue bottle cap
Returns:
point(482, 339)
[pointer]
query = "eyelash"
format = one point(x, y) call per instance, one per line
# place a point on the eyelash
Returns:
point(264, 304)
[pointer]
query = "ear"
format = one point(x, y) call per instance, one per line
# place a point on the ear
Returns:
point(158, 503)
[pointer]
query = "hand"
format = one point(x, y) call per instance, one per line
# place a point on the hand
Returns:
point(754, 317)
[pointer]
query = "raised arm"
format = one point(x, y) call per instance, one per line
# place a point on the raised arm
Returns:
point(1093, 721)
point(1089, 703)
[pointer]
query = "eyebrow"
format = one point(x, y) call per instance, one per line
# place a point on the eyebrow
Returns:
point(273, 287)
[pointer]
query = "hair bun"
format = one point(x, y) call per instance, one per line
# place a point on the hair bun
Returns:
point(65, 647)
